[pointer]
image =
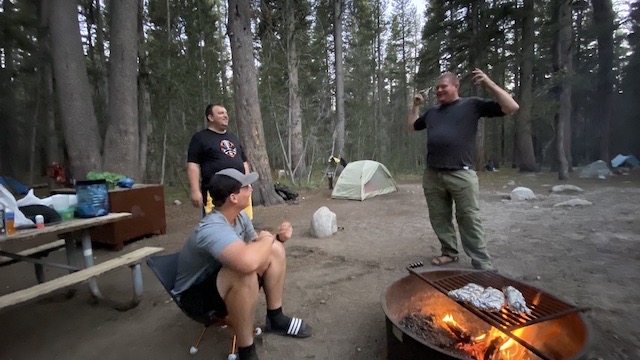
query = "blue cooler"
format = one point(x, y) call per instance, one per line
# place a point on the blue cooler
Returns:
point(93, 198)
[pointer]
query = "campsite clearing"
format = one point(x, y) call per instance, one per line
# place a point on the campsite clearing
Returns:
point(589, 256)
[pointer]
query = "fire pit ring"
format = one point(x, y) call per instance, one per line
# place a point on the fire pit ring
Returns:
point(565, 330)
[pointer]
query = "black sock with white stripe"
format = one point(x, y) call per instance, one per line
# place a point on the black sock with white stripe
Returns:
point(281, 324)
point(248, 353)
point(278, 320)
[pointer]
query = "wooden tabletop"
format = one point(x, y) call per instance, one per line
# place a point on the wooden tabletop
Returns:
point(67, 226)
point(72, 191)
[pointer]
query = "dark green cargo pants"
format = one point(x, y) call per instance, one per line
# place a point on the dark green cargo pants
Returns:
point(444, 188)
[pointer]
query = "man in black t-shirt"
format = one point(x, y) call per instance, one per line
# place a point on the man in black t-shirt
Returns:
point(210, 151)
point(449, 177)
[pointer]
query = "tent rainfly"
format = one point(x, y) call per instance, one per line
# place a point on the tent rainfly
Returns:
point(626, 161)
point(363, 179)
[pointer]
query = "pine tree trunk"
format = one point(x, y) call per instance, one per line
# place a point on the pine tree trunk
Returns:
point(122, 139)
point(603, 18)
point(46, 112)
point(297, 154)
point(245, 84)
point(340, 116)
point(144, 96)
point(380, 82)
point(73, 92)
point(101, 61)
point(524, 146)
point(562, 61)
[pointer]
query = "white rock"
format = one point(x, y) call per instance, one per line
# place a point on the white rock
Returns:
point(597, 169)
point(177, 202)
point(566, 189)
point(573, 202)
point(522, 193)
point(324, 223)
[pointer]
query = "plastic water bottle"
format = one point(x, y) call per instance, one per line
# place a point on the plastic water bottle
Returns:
point(39, 221)
point(9, 222)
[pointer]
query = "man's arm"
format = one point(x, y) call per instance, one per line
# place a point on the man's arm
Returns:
point(413, 114)
point(193, 173)
point(248, 257)
point(507, 104)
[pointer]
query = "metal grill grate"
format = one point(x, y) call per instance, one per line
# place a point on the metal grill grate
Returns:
point(543, 306)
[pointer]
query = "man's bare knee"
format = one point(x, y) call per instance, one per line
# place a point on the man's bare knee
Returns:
point(278, 252)
point(229, 280)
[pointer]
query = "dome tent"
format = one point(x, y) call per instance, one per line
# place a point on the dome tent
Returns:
point(363, 179)
point(629, 161)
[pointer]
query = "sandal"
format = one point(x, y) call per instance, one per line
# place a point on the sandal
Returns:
point(297, 328)
point(443, 260)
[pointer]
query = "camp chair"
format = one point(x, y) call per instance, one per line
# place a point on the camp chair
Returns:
point(165, 267)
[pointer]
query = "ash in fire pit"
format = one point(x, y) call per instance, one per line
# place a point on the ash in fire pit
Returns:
point(446, 334)
point(426, 328)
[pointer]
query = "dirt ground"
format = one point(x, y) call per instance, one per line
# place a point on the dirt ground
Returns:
point(588, 256)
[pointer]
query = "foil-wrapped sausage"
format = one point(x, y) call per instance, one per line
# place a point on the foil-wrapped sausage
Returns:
point(466, 293)
point(515, 300)
point(490, 300)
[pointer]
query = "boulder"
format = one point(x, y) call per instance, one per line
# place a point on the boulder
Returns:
point(522, 193)
point(597, 169)
point(573, 202)
point(324, 223)
point(566, 189)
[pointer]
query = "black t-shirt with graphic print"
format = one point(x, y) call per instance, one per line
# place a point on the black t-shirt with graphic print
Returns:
point(214, 152)
point(451, 131)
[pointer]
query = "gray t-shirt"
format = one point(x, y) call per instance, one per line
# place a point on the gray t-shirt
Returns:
point(200, 254)
point(451, 131)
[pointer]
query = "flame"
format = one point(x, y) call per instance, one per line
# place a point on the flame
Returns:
point(448, 318)
point(510, 350)
point(511, 347)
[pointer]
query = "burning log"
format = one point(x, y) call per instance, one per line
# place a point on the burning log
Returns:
point(493, 350)
point(456, 330)
point(430, 330)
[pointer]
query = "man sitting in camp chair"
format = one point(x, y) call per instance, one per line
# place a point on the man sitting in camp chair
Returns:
point(224, 262)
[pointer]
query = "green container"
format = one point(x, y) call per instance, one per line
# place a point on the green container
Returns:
point(66, 214)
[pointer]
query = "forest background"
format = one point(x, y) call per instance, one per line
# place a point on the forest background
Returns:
point(121, 86)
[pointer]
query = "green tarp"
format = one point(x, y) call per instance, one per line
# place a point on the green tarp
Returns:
point(363, 179)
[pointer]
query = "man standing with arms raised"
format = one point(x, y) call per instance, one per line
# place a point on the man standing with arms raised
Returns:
point(210, 151)
point(449, 177)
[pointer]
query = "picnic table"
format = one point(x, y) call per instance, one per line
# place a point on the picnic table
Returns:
point(69, 233)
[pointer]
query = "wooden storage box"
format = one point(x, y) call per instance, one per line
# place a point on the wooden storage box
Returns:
point(145, 202)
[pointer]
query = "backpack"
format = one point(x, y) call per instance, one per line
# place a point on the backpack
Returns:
point(285, 192)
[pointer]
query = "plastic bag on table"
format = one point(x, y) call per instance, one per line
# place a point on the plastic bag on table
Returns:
point(9, 202)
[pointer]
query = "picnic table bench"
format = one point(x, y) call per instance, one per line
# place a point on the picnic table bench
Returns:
point(73, 231)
